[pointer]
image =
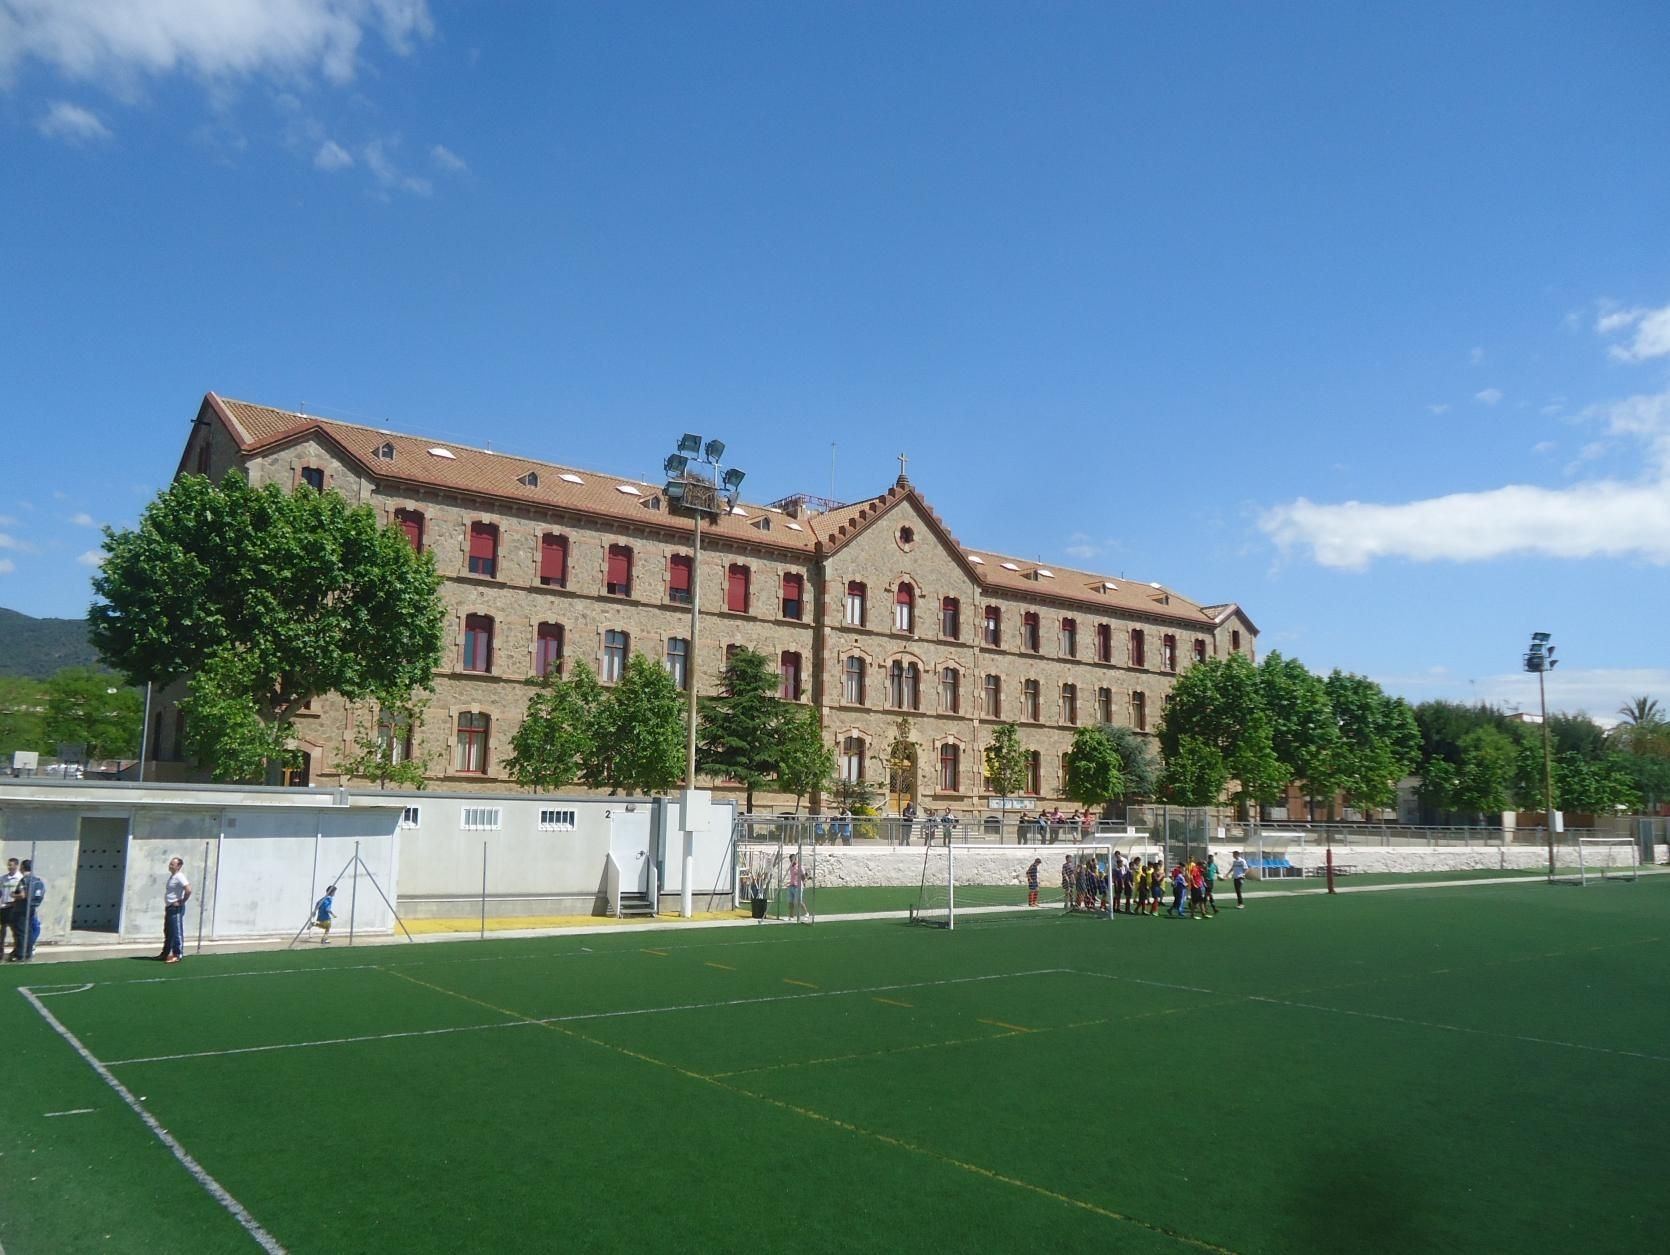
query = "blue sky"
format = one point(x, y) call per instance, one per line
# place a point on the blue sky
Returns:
point(1358, 315)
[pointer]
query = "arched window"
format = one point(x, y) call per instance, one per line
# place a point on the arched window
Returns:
point(1029, 701)
point(1069, 638)
point(615, 646)
point(950, 697)
point(950, 619)
point(473, 728)
point(852, 681)
point(852, 759)
point(736, 588)
point(904, 685)
point(994, 697)
point(410, 523)
point(619, 581)
point(678, 579)
point(993, 629)
point(950, 767)
point(913, 686)
point(855, 603)
point(1104, 643)
point(678, 660)
point(1168, 652)
point(904, 609)
point(478, 642)
point(547, 653)
point(484, 548)
point(1069, 703)
point(1139, 648)
point(794, 594)
point(1031, 633)
point(1035, 773)
point(553, 561)
point(788, 667)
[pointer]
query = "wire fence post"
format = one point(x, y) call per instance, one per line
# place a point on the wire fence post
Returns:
point(483, 936)
point(205, 875)
point(354, 893)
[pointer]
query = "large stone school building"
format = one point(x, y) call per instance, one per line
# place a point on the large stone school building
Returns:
point(872, 611)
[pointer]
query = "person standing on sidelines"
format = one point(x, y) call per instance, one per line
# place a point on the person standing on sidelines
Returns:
point(174, 898)
point(1211, 882)
point(8, 895)
point(1238, 873)
point(797, 889)
point(1032, 882)
point(26, 912)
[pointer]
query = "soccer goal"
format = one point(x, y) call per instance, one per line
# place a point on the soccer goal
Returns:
point(1598, 858)
point(963, 880)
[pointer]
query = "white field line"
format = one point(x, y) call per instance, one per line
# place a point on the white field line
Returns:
point(58, 991)
point(1458, 1028)
point(79, 1111)
point(581, 1016)
point(215, 1189)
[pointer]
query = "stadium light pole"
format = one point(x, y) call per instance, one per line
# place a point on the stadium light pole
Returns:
point(1539, 657)
point(696, 488)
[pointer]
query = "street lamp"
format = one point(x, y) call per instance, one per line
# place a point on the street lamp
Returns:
point(1540, 659)
point(695, 487)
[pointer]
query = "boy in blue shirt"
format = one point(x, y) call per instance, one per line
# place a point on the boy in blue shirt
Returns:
point(323, 913)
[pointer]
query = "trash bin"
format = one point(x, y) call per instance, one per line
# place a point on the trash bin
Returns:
point(758, 906)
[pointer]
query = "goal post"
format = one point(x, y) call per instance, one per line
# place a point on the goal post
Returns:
point(1592, 859)
point(960, 881)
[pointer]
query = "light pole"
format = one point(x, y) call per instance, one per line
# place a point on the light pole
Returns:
point(1540, 659)
point(695, 487)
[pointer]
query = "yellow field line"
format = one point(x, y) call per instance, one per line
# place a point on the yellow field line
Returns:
point(723, 967)
point(893, 1002)
point(1013, 1028)
point(886, 1139)
point(804, 984)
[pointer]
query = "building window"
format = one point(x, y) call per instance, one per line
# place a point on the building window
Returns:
point(553, 561)
point(994, 697)
point(1069, 638)
point(472, 742)
point(1168, 653)
point(855, 603)
point(1034, 773)
point(736, 588)
point(314, 477)
point(1063, 766)
point(615, 645)
point(1235, 638)
point(482, 818)
point(950, 619)
point(478, 642)
point(556, 821)
point(410, 523)
point(1031, 634)
point(394, 736)
point(788, 667)
point(203, 458)
point(1069, 703)
point(678, 660)
point(1139, 649)
point(950, 681)
point(1200, 650)
point(411, 817)
point(852, 759)
point(1029, 701)
point(484, 549)
point(678, 579)
point(619, 582)
point(852, 681)
point(904, 686)
point(992, 633)
point(794, 595)
point(547, 649)
point(950, 763)
point(1104, 643)
point(904, 609)
point(1104, 705)
point(1139, 712)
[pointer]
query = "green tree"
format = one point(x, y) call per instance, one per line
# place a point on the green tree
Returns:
point(268, 598)
point(1095, 775)
point(638, 732)
point(1439, 780)
point(1379, 740)
point(1303, 730)
point(805, 763)
point(1137, 762)
point(1215, 702)
point(1260, 777)
point(1484, 779)
point(384, 751)
point(740, 729)
point(22, 716)
point(89, 707)
point(1593, 786)
point(1006, 761)
point(557, 738)
point(1196, 774)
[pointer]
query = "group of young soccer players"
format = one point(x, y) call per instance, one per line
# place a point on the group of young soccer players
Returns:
point(1135, 886)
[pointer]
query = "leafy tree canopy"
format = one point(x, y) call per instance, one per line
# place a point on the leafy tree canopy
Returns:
point(1196, 774)
point(557, 738)
point(1006, 760)
point(805, 762)
point(739, 730)
point(1095, 774)
point(638, 732)
point(93, 708)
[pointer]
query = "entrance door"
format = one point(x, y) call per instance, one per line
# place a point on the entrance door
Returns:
point(629, 843)
point(100, 868)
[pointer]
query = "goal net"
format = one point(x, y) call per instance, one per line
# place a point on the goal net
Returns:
point(963, 880)
point(1592, 859)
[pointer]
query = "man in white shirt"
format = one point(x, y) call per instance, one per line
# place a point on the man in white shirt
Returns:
point(174, 899)
point(8, 890)
point(1238, 870)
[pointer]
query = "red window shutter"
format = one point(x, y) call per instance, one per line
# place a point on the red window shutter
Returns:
point(620, 564)
point(483, 540)
point(679, 574)
point(411, 523)
point(792, 586)
point(736, 589)
point(905, 596)
point(553, 559)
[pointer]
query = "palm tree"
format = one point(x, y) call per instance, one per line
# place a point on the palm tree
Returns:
point(1642, 712)
point(1643, 730)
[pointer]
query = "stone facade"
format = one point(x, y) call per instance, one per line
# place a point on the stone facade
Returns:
point(894, 547)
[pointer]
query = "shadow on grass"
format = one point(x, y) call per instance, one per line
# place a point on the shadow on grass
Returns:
point(1359, 1198)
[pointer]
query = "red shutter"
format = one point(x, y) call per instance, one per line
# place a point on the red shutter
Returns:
point(906, 596)
point(553, 559)
point(792, 588)
point(411, 522)
point(736, 589)
point(483, 540)
point(680, 574)
point(620, 564)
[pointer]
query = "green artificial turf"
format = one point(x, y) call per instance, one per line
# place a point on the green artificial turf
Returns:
point(1468, 1069)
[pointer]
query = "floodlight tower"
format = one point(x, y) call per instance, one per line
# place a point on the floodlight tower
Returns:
point(697, 488)
point(1540, 659)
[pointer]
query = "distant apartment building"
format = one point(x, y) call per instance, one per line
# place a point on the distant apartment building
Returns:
point(871, 611)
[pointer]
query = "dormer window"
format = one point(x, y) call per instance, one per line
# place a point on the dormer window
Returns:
point(385, 451)
point(530, 480)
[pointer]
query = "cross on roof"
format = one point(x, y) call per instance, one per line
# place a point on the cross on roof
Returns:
point(903, 478)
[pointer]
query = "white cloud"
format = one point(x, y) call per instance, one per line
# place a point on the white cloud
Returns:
point(389, 176)
point(1489, 396)
point(332, 156)
point(112, 41)
point(83, 520)
point(1544, 446)
point(1080, 546)
point(91, 557)
point(447, 160)
point(7, 566)
point(71, 123)
point(9, 542)
point(1598, 691)
point(1438, 407)
point(7, 520)
point(1475, 356)
point(1652, 333)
